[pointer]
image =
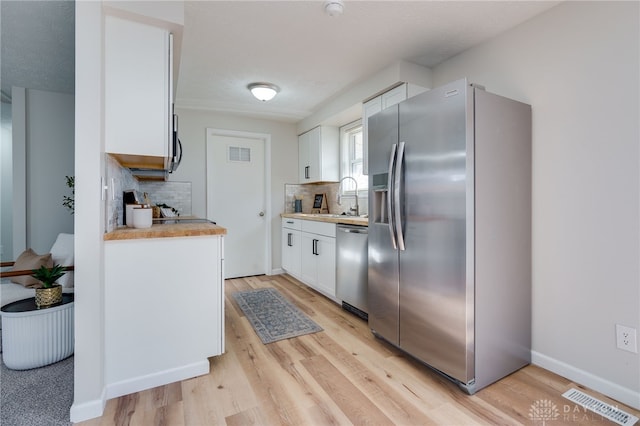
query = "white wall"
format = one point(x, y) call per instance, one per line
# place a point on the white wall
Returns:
point(89, 361)
point(89, 384)
point(578, 67)
point(6, 183)
point(43, 154)
point(284, 161)
point(347, 106)
point(50, 157)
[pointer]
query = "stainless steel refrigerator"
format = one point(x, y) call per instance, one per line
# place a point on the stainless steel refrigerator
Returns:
point(450, 231)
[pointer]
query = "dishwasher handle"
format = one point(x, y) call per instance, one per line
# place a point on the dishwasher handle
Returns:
point(354, 230)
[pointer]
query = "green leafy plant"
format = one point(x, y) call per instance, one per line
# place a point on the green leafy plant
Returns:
point(70, 202)
point(48, 276)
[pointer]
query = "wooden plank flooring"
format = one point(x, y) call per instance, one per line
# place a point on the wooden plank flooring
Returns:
point(340, 376)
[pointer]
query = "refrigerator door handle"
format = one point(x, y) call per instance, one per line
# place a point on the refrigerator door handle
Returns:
point(396, 196)
point(392, 162)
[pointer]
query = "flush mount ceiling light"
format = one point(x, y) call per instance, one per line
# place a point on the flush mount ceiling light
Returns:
point(333, 7)
point(263, 91)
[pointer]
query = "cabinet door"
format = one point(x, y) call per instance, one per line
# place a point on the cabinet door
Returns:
point(291, 251)
point(137, 109)
point(394, 96)
point(303, 158)
point(308, 262)
point(314, 160)
point(326, 265)
point(318, 263)
point(318, 154)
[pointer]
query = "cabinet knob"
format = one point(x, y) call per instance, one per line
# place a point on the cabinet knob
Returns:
point(261, 214)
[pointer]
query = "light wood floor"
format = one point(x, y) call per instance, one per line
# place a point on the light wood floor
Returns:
point(340, 376)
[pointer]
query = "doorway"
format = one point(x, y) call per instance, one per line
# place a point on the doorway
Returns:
point(238, 198)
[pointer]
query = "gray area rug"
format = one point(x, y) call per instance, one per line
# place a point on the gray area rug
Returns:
point(272, 316)
point(38, 397)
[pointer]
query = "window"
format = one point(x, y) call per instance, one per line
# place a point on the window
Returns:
point(352, 155)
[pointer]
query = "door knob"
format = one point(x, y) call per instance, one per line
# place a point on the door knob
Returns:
point(261, 214)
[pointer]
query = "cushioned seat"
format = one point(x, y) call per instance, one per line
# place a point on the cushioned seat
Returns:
point(62, 253)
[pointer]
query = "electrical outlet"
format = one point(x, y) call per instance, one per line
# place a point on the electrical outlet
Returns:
point(626, 338)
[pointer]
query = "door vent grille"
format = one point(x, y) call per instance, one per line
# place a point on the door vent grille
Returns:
point(605, 410)
point(239, 154)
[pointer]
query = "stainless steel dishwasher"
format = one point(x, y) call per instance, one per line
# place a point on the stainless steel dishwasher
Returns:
point(351, 263)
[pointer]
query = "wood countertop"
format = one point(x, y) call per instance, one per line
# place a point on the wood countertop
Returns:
point(165, 231)
point(331, 218)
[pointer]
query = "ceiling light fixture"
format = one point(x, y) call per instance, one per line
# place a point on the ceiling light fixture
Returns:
point(263, 91)
point(333, 7)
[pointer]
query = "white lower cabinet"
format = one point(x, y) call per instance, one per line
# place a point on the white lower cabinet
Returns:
point(291, 246)
point(164, 310)
point(317, 255)
point(319, 263)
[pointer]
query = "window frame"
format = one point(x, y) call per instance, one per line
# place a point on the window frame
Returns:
point(346, 155)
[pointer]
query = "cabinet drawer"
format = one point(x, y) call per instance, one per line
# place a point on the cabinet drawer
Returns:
point(290, 223)
point(320, 228)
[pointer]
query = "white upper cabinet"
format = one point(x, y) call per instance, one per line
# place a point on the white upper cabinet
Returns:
point(377, 104)
point(394, 96)
point(137, 88)
point(318, 155)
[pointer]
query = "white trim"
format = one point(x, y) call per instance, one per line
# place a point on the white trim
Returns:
point(612, 390)
point(161, 378)
point(278, 271)
point(88, 410)
point(266, 138)
point(350, 126)
point(19, 154)
point(345, 154)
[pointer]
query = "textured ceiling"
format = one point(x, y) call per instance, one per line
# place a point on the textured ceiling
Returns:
point(313, 56)
point(229, 44)
point(38, 40)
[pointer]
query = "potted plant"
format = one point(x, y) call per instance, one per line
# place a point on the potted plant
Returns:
point(50, 293)
point(69, 202)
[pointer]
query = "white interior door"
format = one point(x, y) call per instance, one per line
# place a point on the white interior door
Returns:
point(236, 199)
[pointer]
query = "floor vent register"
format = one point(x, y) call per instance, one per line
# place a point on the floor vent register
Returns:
point(605, 410)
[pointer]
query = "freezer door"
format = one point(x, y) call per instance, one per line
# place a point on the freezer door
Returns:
point(436, 321)
point(383, 257)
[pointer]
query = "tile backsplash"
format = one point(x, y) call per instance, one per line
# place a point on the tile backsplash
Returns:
point(307, 192)
point(174, 194)
point(122, 180)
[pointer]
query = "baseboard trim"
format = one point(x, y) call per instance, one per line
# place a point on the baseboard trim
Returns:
point(612, 390)
point(88, 410)
point(277, 271)
point(161, 378)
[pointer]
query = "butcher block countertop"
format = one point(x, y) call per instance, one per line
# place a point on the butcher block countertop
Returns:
point(331, 218)
point(176, 229)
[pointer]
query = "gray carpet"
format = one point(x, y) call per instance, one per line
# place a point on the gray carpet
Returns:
point(272, 316)
point(38, 397)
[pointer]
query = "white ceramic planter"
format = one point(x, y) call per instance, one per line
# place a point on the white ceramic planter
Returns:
point(37, 338)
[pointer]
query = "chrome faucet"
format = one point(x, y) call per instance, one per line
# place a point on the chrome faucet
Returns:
point(339, 197)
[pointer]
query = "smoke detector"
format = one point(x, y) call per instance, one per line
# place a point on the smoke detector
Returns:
point(333, 7)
